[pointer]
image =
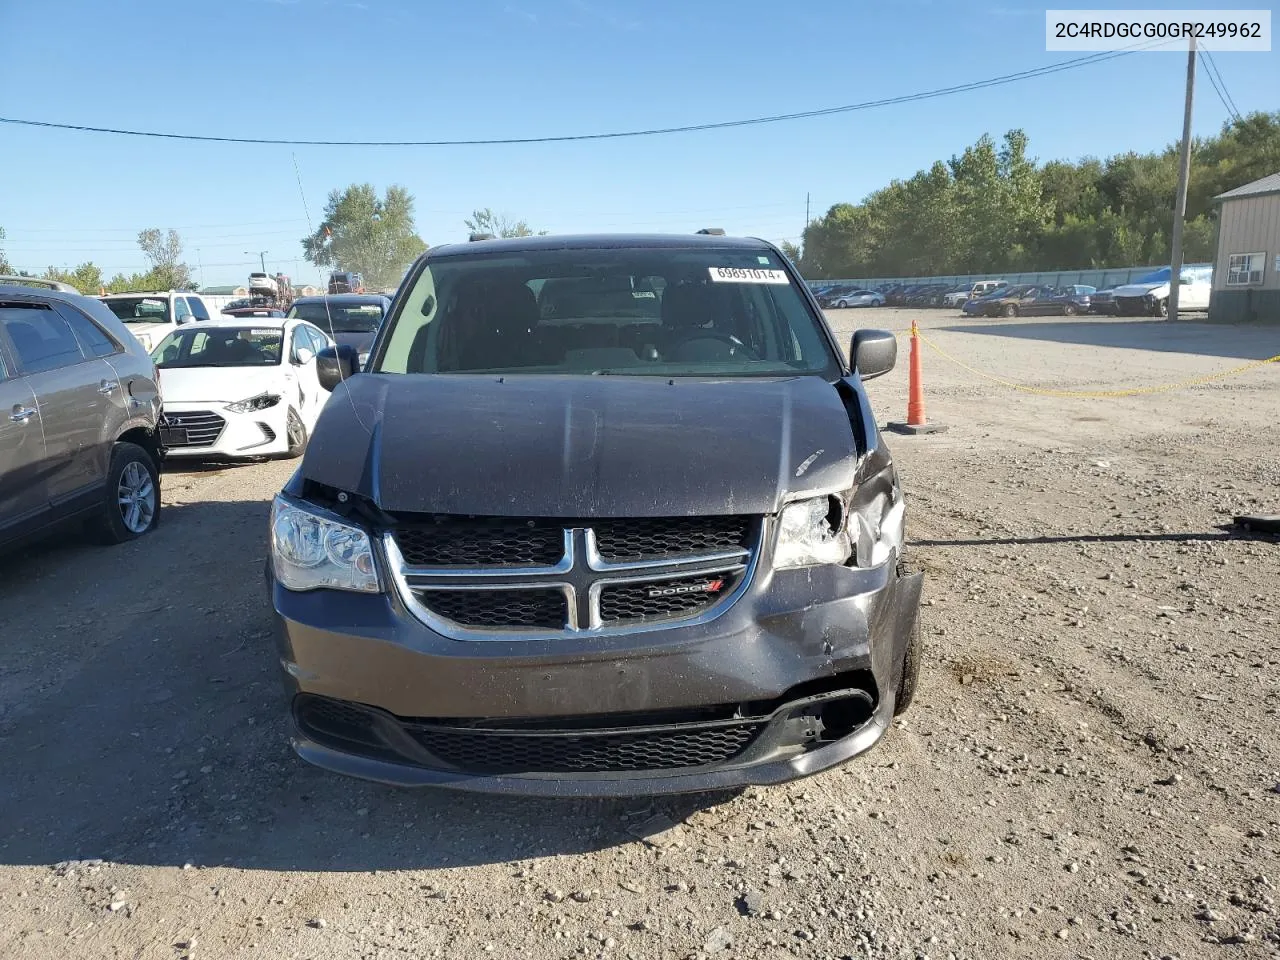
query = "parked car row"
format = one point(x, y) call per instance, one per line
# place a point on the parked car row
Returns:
point(1031, 300)
point(1148, 296)
point(96, 392)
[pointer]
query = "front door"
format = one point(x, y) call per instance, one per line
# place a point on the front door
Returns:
point(75, 397)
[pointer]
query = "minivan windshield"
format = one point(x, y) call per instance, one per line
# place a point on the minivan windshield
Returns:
point(661, 311)
point(140, 309)
point(219, 346)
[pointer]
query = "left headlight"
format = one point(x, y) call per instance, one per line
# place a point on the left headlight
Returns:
point(811, 532)
point(311, 550)
point(262, 401)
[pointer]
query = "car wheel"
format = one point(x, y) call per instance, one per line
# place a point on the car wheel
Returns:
point(131, 500)
point(1069, 310)
point(1162, 309)
point(1010, 310)
point(297, 434)
point(842, 305)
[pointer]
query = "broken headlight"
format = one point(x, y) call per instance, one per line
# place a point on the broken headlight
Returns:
point(811, 532)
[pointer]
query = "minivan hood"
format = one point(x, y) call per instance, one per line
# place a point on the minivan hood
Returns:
point(581, 446)
point(218, 384)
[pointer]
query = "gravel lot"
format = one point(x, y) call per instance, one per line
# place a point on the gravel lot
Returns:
point(1092, 768)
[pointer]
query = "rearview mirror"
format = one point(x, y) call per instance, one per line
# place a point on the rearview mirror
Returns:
point(873, 353)
point(335, 364)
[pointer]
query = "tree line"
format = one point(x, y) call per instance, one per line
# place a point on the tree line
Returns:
point(993, 208)
point(362, 231)
point(162, 250)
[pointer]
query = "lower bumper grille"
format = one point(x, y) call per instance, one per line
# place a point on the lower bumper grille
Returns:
point(196, 428)
point(502, 752)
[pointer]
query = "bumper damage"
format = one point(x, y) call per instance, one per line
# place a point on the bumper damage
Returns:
point(799, 675)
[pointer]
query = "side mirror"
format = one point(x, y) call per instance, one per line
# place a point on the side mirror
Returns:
point(873, 353)
point(335, 364)
point(302, 356)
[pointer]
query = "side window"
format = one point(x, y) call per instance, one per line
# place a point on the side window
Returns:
point(198, 308)
point(299, 340)
point(41, 338)
point(181, 312)
point(318, 340)
point(93, 341)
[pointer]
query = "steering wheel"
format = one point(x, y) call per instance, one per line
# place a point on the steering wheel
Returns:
point(736, 346)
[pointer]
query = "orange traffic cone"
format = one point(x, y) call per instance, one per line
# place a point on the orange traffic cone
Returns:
point(916, 422)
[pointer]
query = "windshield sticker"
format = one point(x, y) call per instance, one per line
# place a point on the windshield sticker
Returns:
point(268, 332)
point(747, 275)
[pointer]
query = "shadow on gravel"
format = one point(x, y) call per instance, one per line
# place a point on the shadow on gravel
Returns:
point(1212, 340)
point(149, 729)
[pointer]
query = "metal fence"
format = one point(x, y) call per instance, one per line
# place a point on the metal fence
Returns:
point(1102, 279)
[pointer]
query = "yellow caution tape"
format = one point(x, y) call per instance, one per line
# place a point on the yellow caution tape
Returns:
point(1095, 394)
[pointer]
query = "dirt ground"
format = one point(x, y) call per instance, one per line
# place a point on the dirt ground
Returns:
point(1091, 770)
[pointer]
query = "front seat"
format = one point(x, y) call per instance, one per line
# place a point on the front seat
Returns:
point(695, 318)
point(495, 322)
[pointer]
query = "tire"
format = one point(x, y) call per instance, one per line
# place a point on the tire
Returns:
point(842, 305)
point(1162, 309)
point(296, 434)
point(1069, 310)
point(1010, 310)
point(131, 499)
point(910, 672)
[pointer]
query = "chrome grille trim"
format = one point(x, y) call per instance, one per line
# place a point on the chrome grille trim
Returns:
point(581, 574)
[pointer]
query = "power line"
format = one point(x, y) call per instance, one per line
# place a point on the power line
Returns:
point(1216, 89)
point(616, 135)
point(135, 230)
point(1227, 100)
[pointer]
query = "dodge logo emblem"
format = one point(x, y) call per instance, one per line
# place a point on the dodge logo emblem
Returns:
point(709, 586)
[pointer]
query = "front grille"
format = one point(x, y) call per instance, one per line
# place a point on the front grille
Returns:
point(481, 609)
point(481, 542)
point(203, 427)
point(648, 538)
point(621, 751)
point(661, 598)
point(465, 576)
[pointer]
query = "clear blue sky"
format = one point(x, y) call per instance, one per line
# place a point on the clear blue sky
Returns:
point(427, 69)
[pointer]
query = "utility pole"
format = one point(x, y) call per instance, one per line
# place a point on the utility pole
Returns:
point(806, 211)
point(1184, 174)
point(261, 254)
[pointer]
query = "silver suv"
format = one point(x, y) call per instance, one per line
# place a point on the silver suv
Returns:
point(79, 406)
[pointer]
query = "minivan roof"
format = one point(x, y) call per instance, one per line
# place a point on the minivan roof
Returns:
point(597, 241)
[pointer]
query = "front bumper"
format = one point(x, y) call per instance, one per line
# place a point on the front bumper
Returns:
point(810, 659)
point(258, 433)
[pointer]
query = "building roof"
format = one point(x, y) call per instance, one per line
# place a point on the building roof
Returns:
point(1269, 184)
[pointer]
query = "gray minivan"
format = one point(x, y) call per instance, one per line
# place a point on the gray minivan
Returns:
point(79, 410)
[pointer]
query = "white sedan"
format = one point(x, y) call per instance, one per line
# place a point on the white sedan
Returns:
point(859, 298)
point(238, 387)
